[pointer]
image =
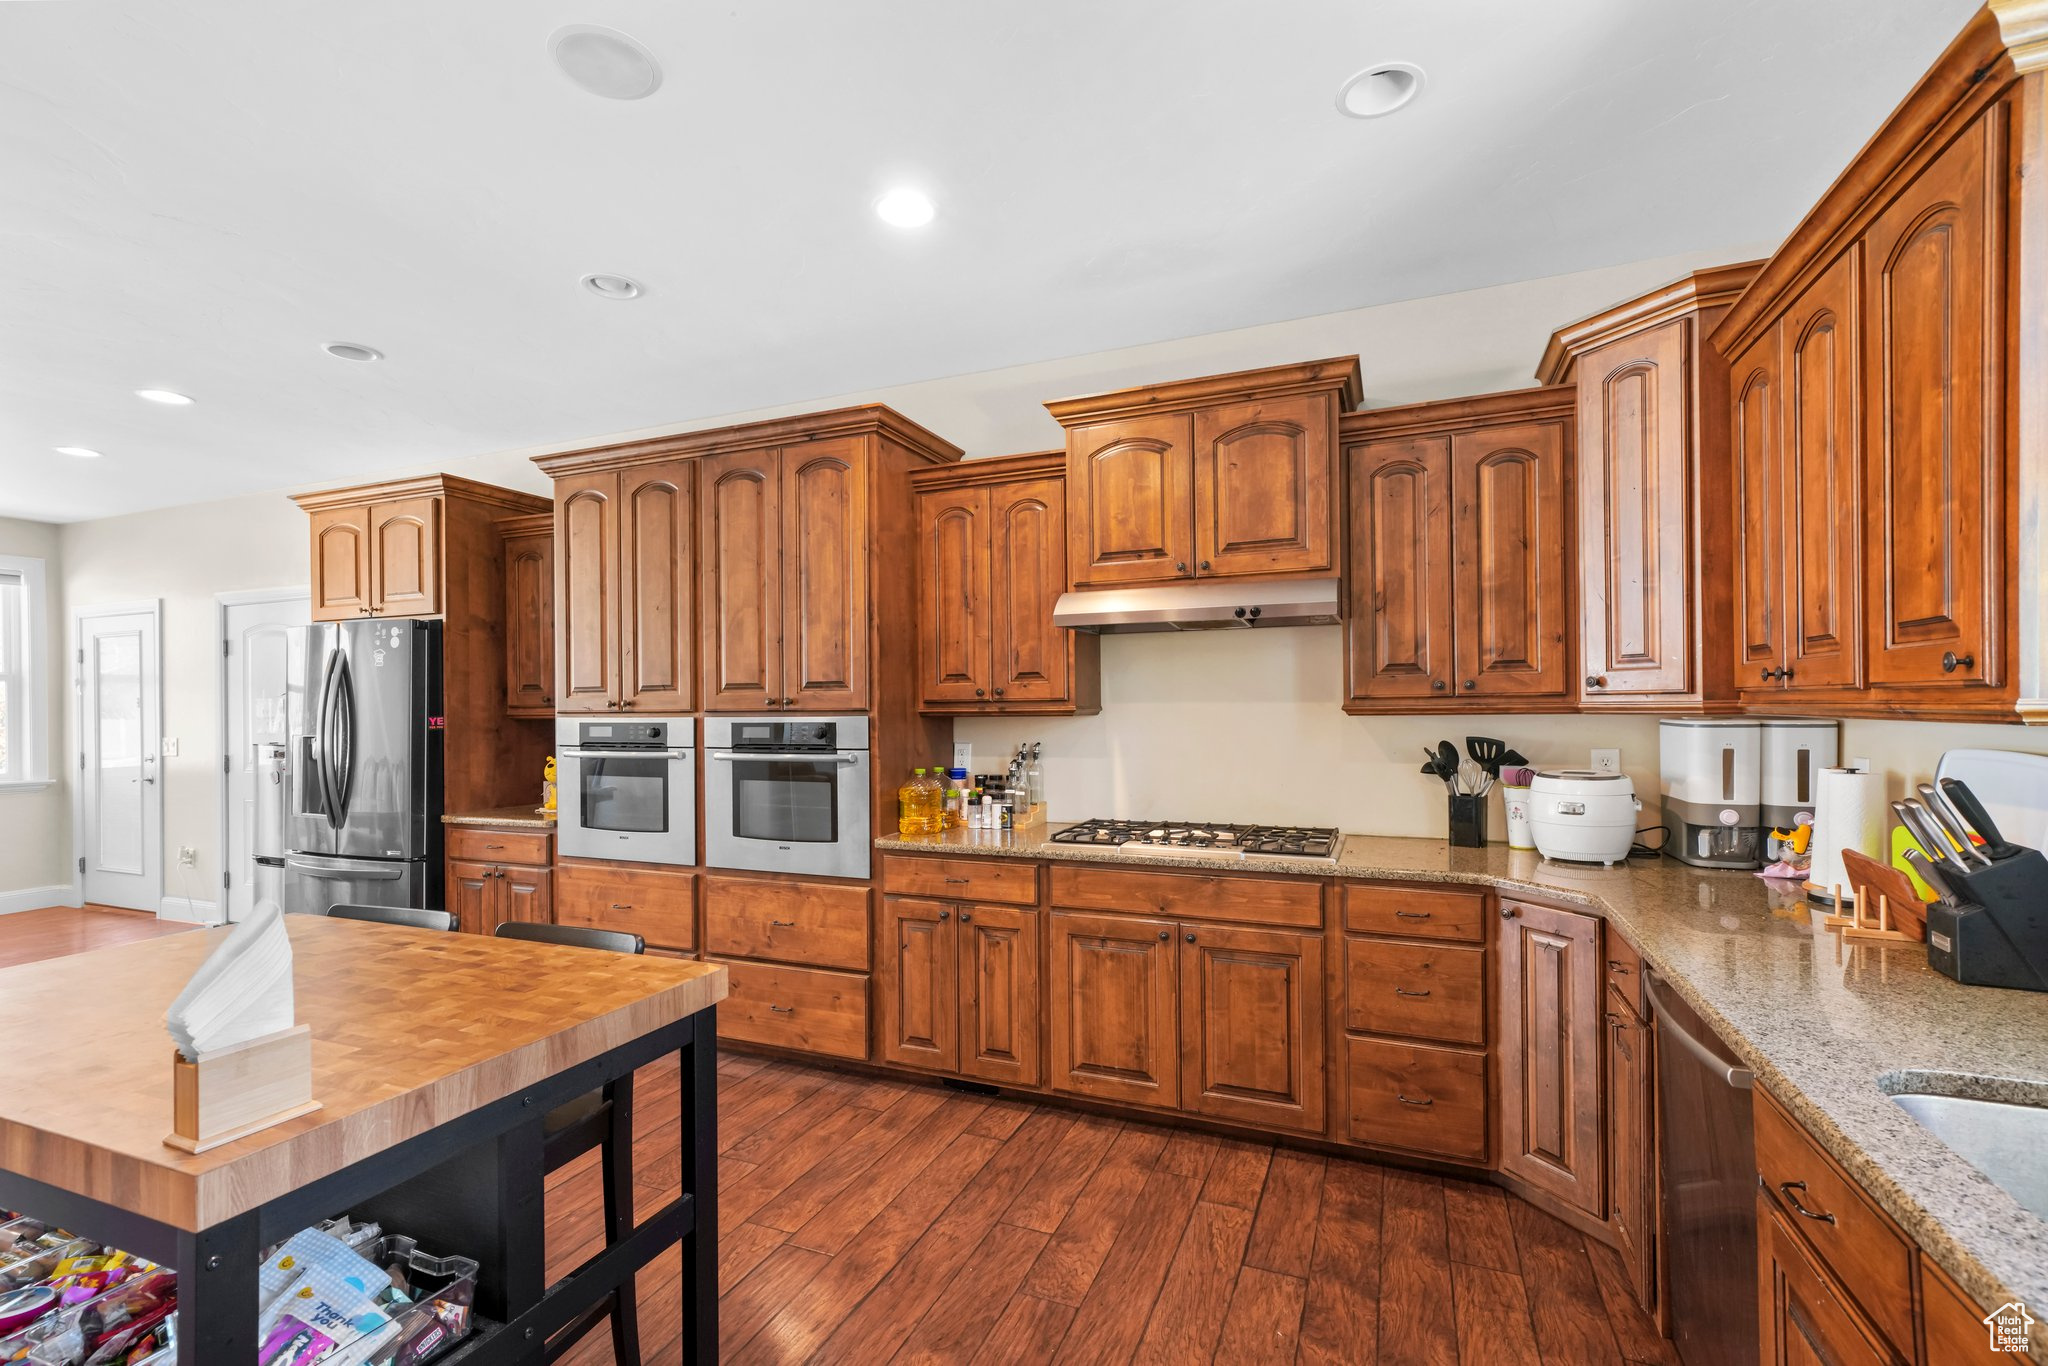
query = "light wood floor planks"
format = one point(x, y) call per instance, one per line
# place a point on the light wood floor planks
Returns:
point(32, 936)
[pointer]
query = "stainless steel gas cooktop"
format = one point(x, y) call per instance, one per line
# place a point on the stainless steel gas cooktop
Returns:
point(1204, 837)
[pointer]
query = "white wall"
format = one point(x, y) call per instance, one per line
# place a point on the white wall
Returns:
point(35, 825)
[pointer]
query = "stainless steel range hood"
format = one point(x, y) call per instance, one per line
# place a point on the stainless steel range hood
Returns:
point(1215, 605)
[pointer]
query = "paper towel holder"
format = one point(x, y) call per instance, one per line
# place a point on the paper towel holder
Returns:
point(232, 1092)
point(1825, 878)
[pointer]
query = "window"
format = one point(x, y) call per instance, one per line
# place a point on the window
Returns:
point(24, 672)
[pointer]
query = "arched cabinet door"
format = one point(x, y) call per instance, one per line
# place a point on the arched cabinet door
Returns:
point(1031, 659)
point(1511, 535)
point(1398, 626)
point(1262, 486)
point(405, 558)
point(586, 592)
point(1133, 500)
point(657, 616)
point(740, 582)
point(1823, 484)
point(953, 596)
point(341, 563)
point(1760, 493)
point(825, 584)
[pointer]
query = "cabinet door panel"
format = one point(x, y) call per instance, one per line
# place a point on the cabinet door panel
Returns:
point(1635, 522)
point(586, 591)
point(1550, 1041)
point(999, 980)
point(1398, 629)
point(472, 894)
point(1510, 527)
point(1031, 659)
point(825, 609)
point(915, 980)
point(657, 623)
point(1823, 485)
point(1114, 1007)
point(1935, 426)
point(405, 557)
point(741, 583)
point(1804, 1316)
point(341, 563)
point(1631, 1156)
point(1252, 1038)
point(526, 894)
point(1262, 478)
point(953, 608)
point(1760, 490)
point(530, 624)
point(1133, 500)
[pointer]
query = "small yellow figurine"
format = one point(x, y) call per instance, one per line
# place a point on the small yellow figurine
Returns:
point(547, 785)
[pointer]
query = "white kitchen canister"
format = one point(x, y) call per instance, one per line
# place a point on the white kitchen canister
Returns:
point(1520, 836)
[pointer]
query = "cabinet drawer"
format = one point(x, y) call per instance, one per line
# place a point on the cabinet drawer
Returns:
point(480, 844)
point(1860, 1245)
point(798, 922)
point(1417, 912)
point(1265, 901)
point(1416, 1097)
point(808, 1009)
point(658, 904)
point(962, 879)
point(1426, 991)
point(1624, 969)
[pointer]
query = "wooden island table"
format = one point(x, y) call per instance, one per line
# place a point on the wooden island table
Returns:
point(435, 1059)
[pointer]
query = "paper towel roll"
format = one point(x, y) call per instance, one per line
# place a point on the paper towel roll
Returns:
point(1848, 813)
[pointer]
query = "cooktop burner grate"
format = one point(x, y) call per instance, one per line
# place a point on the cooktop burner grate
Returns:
point(1218, 837)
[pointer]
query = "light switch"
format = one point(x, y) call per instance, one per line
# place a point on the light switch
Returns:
point(170, 747)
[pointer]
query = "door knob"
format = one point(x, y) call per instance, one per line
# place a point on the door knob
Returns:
point(1952, 661)
point(1596, 680)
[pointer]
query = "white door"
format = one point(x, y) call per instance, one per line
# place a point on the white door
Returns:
point(121, 800)
point(255, 639)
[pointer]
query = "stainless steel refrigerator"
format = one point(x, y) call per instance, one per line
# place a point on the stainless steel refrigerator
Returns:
point(364, 822)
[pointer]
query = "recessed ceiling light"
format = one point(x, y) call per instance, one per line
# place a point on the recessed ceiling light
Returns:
point(606, 286)
point(1379, 90)
point(605, 62)
point(82, 452)
point(905, 208)
point(170, 396)
point(352, 351)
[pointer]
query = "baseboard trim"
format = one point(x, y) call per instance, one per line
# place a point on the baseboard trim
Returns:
point(37, 899)
point(189, 911)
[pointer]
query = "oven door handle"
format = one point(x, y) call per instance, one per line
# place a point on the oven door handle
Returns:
point(727, 756)
point(624, 753)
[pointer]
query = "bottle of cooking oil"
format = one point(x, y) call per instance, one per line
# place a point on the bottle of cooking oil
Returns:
point(912, 811)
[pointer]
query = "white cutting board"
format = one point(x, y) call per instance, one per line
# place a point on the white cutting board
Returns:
point(2012, 786)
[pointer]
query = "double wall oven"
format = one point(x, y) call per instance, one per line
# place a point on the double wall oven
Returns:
point(787, 796)
point(627, 788)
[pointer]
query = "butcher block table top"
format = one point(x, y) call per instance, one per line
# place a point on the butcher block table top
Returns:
point(411, 1029)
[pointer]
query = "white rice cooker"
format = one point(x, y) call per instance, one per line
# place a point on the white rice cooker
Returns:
point(1582, 816)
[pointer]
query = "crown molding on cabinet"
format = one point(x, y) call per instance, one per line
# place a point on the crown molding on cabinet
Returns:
point(1457, 414)
point(970, 473)
point(1316, 376)
point(1703, 289)
point(426, 486)
point(867, 418)
point(2023, 26)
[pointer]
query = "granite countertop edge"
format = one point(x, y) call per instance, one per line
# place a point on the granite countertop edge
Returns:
point(1979, 1234)
point(508, 817)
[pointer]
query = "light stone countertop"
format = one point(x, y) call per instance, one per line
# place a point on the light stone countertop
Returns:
point(511, 817)
point(1825, 1023)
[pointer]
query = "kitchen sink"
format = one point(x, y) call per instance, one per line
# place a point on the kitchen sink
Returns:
point(2003, 1139)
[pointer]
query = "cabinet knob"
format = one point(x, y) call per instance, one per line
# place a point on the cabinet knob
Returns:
point(789, 701)
point(1470, 684)
point(1166, 934)
point(627, 702)
point(999, 692)
point(1191, 936)
point(966, 917)
point(1952, 661)
point(1438, 684)
point(945, 915)
point(980, 693)
point(1596, 680)
point(1180, 566)
point(611, 706)
point(770, 702)
point(547, 701)
point(1507, 912)
point(1204, 566)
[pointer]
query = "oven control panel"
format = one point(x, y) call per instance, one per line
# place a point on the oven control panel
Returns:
point(624, 734)
point(800, 735)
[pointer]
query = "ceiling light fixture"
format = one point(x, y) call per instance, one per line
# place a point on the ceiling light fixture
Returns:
point(82, 452)
point(905, 208)
point(1379, 90)
point(606, 286)
point(170, 396)
point(352, 351)
point(605, 62)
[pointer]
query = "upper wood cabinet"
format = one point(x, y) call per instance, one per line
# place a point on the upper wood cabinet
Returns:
point(1551, 1039)
point(624, 589)
point(1228, 475)
point(1459, 556)
point(1881, 410)
point(991, 563)
point(391, 549)
point(529, 615)
point(1654, 497)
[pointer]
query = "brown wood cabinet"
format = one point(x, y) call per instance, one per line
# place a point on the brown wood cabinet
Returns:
point(1654, 497)
point(1550, 1032)
point(1226, 475)
point(1459, 555)
point(658, 904)
point(495, 875)
point(1804, 1315)
point(992, 547)
point(529, 615)
point(957, 989)
point(1114, 1008)
point(1631, 1146)
point(625, 589)
point(376, 558)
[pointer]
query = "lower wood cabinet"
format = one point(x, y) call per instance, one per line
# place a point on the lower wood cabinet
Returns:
point(957, 989)
point(658, 904)
point(1804, 1316)
point(1415, 1097)
point(495, 875)
point(1631, 1151)
point(809, 1010)
point(1114, 1011)
point(1550, 1043)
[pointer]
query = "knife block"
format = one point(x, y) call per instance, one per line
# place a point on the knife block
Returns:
point(1999, 937)
point(235, 1091)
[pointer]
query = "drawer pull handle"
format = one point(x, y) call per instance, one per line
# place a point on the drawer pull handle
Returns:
point(1616, 965)
point(622, 905)
point(1785, 1188)
point(1403, 991)
point(783, 1010)
point(494, 846)
point(1414, 915)
point(956, 882)
point(1424, 1102)
point(783, 924)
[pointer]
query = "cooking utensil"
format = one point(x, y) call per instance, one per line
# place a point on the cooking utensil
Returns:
point(1513, 759)
point(1872, 880)
point(1447, 756)
point(1932, 842)
point(1486, 752)
point(1977, 818)
point(1922, 867)
point(1952, 824)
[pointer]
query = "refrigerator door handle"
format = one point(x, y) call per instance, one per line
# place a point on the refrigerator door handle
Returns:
point(350, 871)
point(344, 735)
point(323, 741)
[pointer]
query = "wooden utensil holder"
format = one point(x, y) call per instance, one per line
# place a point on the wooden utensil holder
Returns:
point(235, 1091)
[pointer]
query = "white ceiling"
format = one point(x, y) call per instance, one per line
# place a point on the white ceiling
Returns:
point(195, 196)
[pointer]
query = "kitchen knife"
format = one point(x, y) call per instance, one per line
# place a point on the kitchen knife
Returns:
point(1931, 874)
point(1952, 824)
point(1932, 842)
point(1972, 811)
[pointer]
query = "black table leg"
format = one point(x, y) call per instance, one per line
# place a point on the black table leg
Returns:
point(217, 1294)
point(700, 1182)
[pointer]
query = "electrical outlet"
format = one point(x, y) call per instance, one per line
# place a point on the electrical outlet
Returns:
point(170, 747)
point(1607, 761)
point(963, 755)
point(188, 857)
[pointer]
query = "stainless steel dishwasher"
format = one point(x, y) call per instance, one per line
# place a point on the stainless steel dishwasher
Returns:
point(1709, 1185)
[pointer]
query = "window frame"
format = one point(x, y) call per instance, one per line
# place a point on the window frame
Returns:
point(34, 741)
